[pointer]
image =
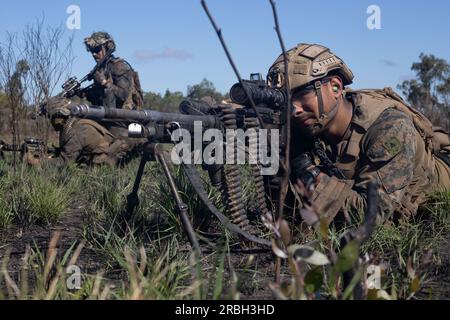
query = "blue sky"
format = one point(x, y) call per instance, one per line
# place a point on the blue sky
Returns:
point(172, 44)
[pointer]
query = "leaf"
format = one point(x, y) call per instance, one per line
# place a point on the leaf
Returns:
point(347, 257)
point(314, 280)
point(300, 252)
point(415, 285)
point(410, 269)
point(383, 295)
point(372, 294)
point(309, 216)
point(323, 228)
point(378, 294)
point(278, 252)
point(308, 255)
point(286, 288)
point(394, 292)
point(277, 292)
point(285, 232)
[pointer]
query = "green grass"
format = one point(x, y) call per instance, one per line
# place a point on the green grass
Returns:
point(149, 257)
point(147, 274)
point(32, 195)
point(426, 234)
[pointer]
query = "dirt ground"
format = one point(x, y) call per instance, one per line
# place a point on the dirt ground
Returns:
point(253, 284)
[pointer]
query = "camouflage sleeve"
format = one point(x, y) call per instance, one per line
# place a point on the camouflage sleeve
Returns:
point(122, 77)
point(388, 156)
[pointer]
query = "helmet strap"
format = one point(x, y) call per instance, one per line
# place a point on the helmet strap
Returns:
point(318, 87)
point(324, 118)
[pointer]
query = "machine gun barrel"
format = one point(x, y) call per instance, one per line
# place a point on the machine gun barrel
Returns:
point(100, 113)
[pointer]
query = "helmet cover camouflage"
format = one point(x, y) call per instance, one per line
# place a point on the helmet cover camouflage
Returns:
point(61, 112)
point(99, 39)
point(58, 107)
point(306, 64)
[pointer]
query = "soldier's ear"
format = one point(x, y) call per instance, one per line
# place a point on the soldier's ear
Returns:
point(336, 85)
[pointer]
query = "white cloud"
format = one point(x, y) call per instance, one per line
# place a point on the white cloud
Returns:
point(167, 53)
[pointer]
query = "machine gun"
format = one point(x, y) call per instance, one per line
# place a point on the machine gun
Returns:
point(272, 106)
point(158, 127)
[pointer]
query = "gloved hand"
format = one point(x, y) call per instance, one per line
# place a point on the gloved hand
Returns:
point(101, 78)
point(304, 169)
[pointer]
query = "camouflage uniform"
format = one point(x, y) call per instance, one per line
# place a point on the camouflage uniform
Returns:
point(88, 143)
point(123, 89)
point(381, 144)
point(117, 94)
point(386, 141)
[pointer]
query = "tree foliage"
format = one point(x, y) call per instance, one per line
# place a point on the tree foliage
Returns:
point(169, 101)
point(204, 89)
point(429, 91)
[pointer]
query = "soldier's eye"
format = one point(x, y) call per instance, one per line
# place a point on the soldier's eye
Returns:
point(96, 49)
point(302, 93)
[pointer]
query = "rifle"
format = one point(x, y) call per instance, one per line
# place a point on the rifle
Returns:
point(32, 146)
point(72, 87)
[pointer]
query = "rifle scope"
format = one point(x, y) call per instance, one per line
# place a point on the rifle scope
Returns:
point(261, 94)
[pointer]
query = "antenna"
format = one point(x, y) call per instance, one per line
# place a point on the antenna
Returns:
point(230, 59)
point(286, 166)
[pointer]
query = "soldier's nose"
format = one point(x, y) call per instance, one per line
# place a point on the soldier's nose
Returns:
point(298, 109)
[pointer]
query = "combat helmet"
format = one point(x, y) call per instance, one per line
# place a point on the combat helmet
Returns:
point(60, 112)
point(307, 63)
point(309, 67)
point(98, 39)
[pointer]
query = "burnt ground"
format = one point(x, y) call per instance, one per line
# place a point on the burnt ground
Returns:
point(252, 284)
point(16, 239)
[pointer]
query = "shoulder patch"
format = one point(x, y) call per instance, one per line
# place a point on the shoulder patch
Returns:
point(392, 145)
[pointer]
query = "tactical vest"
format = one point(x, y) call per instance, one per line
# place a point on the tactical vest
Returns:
point(135, 99)
point(431, 141)
point(436, 139)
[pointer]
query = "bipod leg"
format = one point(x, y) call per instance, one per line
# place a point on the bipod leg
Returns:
point(182, 207)
point(133, 197)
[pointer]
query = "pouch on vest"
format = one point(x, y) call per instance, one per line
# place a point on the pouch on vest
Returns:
point(135, 99)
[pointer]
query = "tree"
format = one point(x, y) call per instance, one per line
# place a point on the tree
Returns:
point(13, 69)
point(170, 101)
point(429, 92)
point(167, 103)
point(32, 64)
point(50, 56)
point(204, 89)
